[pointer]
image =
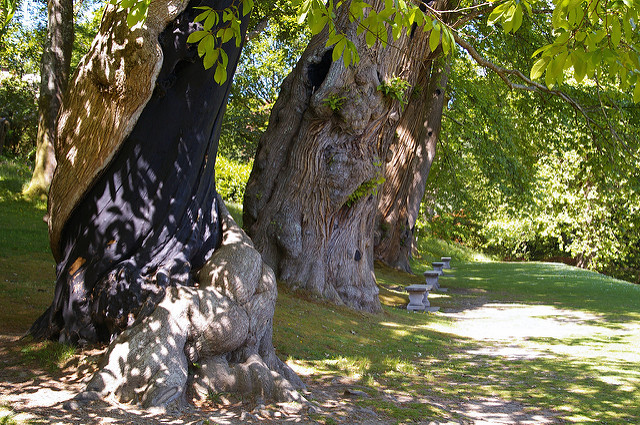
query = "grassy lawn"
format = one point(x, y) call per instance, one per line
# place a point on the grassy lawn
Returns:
point(513, 341)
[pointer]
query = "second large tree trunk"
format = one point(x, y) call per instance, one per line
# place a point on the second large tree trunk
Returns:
point(406, 174)
point(311, 200)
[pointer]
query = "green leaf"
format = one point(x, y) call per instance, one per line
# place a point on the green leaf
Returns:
point(452, 41)
point(599, 35)
point(370, 38)
point(445, 42)
point(579, 65)
point(497, 13)
point(196, 36)
point(211, 20)
point(557, 66)
point(202, 16)
point(247, 7)
point(636, 93)
point(221, 74)
point(207, 44)
point(316, 25)
point(539, 67)
point(517, 18)
point(541, 50)
point(224, 57)
point(382, 34)
point(210, 58)
point(549, 78)
point(303, 10)
point(507, 19)
point(227, 35)
point(434, 38)
point(353, 52)
point(616, 31)
point(338, 49)
point(396, 30)
point(334, 38)
point(626, 23)
point(562, 38)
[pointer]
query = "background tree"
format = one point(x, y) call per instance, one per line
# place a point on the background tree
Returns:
point(528, 176)
point(54, 75)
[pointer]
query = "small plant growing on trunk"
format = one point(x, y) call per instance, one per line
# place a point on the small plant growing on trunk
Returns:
point(334, 102)
point(395, 89)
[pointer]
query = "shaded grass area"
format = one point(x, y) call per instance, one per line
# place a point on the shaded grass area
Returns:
point(27, 269)
point(412, 366)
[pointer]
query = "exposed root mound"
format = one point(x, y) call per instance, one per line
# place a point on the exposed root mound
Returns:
point(216, 337)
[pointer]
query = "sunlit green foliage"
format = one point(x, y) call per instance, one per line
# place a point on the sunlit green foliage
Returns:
point(21, 44)
point(266, 60)
point(7, 10)
point(526, 176)
point(231, 178)
point(18, 106)
point(20, 53)
point(395, 88)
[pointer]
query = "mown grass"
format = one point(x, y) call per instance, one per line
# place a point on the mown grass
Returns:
point(578, 361)
point(27, 269)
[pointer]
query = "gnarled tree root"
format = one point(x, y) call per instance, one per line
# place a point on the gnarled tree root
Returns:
point(213, 338)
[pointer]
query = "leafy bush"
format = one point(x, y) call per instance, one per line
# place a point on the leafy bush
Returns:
point(231, 178)
point(18, 105)
point(456, 227)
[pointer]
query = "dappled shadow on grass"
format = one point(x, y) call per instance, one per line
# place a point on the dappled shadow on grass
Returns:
point(539, 349)
point(576, 388)
point(393, 357)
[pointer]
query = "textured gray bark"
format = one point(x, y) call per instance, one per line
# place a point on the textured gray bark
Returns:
point(54, 78)
point(406, 174)
point(224, 327)
point(311, 200)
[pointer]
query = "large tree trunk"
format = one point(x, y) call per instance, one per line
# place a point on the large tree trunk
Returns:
point(406, 174)
point(142, 240)
point(311, 199)
point(54, 76)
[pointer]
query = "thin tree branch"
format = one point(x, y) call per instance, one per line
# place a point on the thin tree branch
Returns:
point(529, 85)
point(610, 126)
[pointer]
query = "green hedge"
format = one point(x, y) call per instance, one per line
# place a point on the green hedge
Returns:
point(231, 178)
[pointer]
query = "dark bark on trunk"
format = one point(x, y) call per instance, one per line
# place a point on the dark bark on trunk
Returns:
point(406, 174)
point(54, 77)
point(311, 200)
point(142, 240)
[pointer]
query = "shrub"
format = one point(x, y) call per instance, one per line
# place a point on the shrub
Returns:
point(231, 178)
point(18, 105)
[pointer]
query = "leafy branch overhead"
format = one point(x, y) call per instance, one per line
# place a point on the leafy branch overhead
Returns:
point(396, 17)
point(218, 27)
point(596, 39)
point(591, 38)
